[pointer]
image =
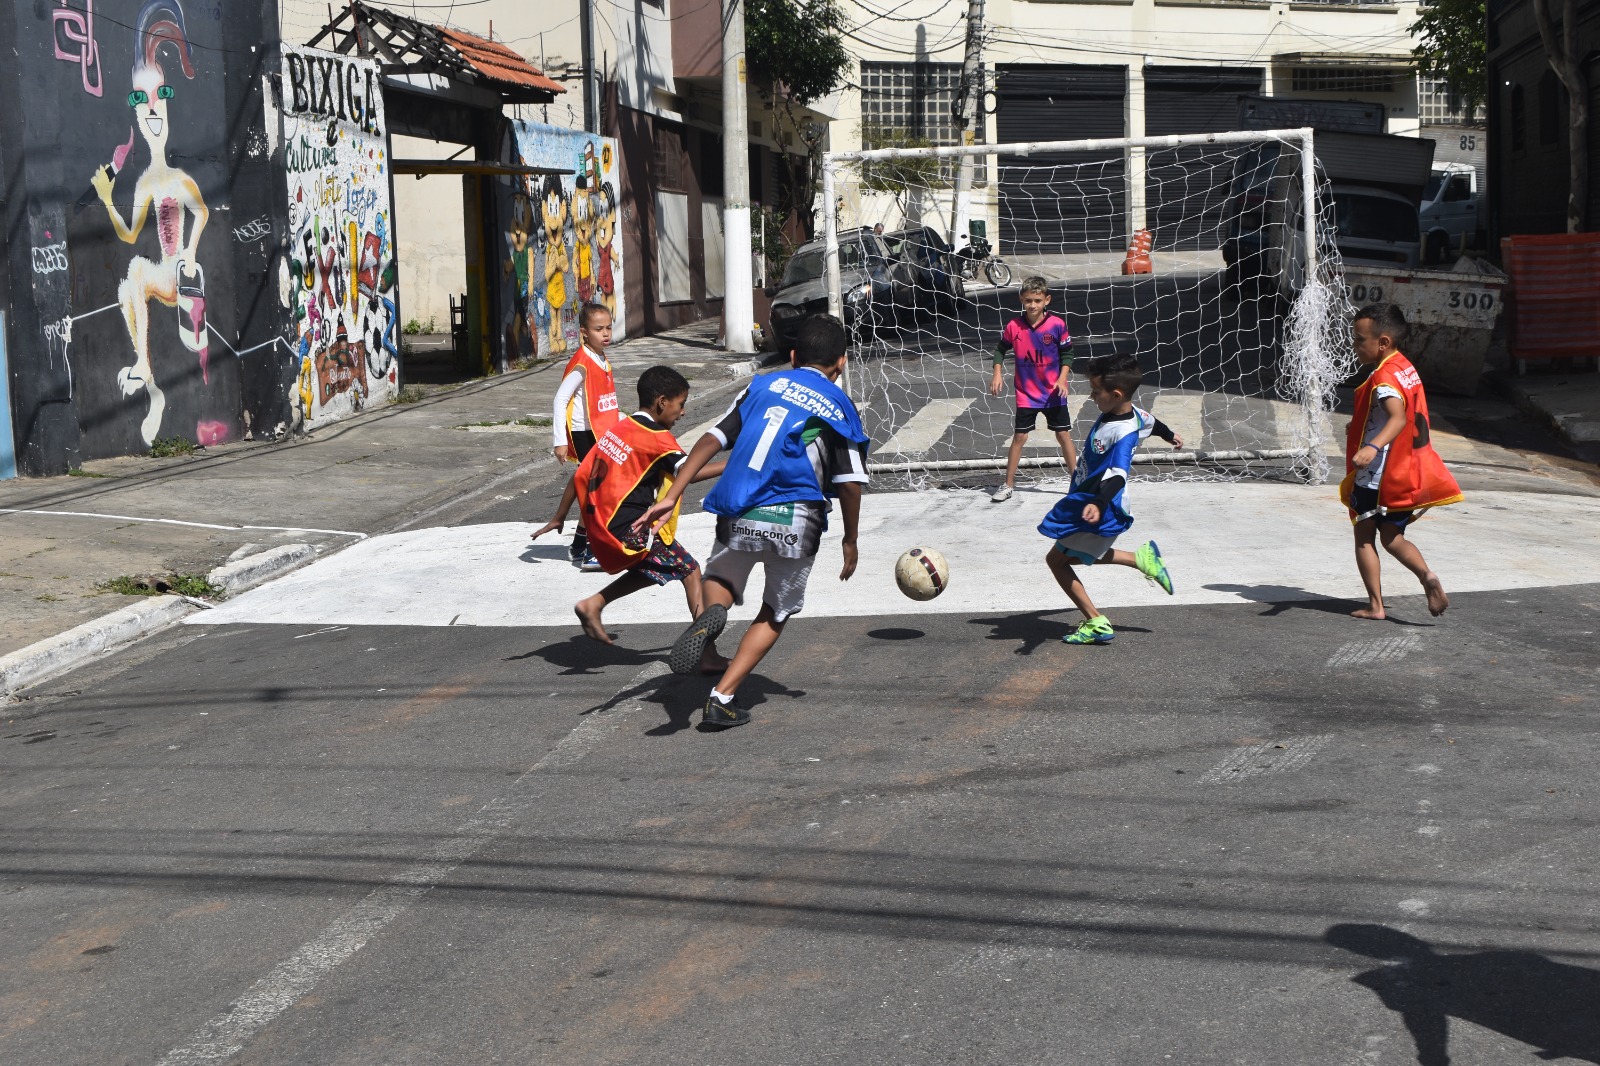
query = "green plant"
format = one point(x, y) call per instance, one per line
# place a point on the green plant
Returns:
point(776, 247)
point(78, 471)
point(1452, 46)
point(166, 447)
point(409, 394)
point(415, 326)
point(179, 584)
point(903, 177)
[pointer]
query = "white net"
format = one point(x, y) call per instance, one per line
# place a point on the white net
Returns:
point(1189, 253)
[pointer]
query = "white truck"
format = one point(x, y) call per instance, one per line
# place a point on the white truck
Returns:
point(1448, 217)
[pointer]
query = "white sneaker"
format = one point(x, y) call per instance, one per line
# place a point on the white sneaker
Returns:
point(1001, 494)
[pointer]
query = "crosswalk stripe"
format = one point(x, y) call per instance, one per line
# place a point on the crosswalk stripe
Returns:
point(924, 429)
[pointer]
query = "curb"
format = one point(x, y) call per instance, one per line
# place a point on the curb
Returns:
point(81, 644)
point(262, 566)
point(64, 651)
point(750, 367)
point(1505, 384)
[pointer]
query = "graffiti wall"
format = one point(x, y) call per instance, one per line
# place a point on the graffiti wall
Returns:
point(337, 282)
point(136, 159)
point(562, 249)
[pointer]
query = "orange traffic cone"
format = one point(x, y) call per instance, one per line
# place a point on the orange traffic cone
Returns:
point(1137, 261)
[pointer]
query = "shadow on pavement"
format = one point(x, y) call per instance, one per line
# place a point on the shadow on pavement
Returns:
point(580, 655)
point(684, 700)
point(1033, 630)
point(1549, 1005)
point(1280, 598)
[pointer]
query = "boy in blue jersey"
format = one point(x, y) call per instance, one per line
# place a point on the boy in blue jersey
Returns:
point(1086, 522)
point(795, 440)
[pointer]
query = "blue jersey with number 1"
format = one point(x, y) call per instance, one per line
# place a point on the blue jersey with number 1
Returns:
point(768, 463)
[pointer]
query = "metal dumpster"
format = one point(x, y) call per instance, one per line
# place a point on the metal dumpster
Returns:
point(1451, 314)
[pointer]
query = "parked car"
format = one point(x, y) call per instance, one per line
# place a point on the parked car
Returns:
point(864, 278)
point(922, 274)
point(1263, 247)
point(1449, 214)
point(1375, 226)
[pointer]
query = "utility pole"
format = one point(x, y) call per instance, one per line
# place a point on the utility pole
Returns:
point(738, 304)
point(591, 106)
point(968, 107)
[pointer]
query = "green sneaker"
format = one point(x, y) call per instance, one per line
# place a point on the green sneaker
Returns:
point(1152, 566)
point(1096, 630)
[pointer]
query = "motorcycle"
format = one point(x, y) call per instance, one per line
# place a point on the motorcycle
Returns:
point(978, 255)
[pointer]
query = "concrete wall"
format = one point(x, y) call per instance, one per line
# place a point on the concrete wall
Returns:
point(141, 209)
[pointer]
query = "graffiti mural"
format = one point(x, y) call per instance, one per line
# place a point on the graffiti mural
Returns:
point(562, 248)
point(339, 284)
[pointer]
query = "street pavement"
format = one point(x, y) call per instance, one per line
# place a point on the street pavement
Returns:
point(394, 808)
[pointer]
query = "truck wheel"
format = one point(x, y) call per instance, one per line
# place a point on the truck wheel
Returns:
point(1436, 249)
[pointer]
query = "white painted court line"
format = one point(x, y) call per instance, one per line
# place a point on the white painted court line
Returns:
point(226, 1034)
point(1382, 650)
point(923, 429)
point(1225, 543)
point(1260, 760)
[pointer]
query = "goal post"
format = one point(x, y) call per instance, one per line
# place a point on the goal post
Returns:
point(1208, 257)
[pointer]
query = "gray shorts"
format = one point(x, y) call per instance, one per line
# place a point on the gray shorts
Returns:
point(1085, 549)
point(785, 588)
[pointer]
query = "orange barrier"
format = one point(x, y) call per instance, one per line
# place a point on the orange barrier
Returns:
point(1137, 261)
point(1555, 296)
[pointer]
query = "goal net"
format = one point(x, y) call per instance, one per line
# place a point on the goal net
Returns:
point(1202, 256)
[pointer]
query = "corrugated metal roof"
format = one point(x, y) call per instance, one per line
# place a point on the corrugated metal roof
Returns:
point(497, 62)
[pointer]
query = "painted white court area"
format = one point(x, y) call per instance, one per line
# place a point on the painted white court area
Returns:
point(1224, 543)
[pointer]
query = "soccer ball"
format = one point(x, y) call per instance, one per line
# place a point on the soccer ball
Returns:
point(922, 573)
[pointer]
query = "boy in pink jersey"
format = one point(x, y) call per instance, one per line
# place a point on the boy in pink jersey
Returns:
point(1040, 341)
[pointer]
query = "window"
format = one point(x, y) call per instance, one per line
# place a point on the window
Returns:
point(1341, 80)
point(913, 99)
point(1549, 109)
point(670, 163)
point(1460, 189)
point(1519, 119)
point(1435, 106)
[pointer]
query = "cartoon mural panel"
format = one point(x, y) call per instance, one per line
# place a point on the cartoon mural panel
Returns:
point(339, 278)
point(563, 249)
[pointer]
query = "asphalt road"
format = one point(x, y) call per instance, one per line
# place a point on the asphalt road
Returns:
point(1242, 834)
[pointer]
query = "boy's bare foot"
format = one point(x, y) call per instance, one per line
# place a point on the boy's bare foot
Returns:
point(1374, 614)
point(1438, 602)
point(590, 621)
point(713, 664)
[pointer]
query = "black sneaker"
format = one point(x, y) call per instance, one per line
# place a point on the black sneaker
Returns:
point(723, 715)
point(578, 550)
point(686, 650)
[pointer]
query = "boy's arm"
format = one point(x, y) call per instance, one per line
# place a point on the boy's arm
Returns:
point(567, 498)
point(850, 511)
point(707, 446)
point(568, 389)
point(713, 471)
point(1063, 365)
point(1166, 433)
point(1395, 408)
point(999, 378)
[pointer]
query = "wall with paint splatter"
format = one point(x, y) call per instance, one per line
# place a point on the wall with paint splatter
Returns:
point(338, 279)
point(562, 249)
point(140, 207)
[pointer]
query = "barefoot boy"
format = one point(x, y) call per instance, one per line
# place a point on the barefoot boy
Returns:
point(585, 407)
point(1392, 470)
point(795, 440)
point(1040, 341)
point(1086, 522)
point(626, 471)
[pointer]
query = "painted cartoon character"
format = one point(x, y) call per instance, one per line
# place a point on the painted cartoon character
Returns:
point(176, 279)
point(553, 210)
point(605, 234)
point(583, 220)
point(521, 265)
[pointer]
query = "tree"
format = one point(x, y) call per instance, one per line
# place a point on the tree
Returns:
point(1562, 51)
point(1452, 48)
point(796, 55)
point(906, 178)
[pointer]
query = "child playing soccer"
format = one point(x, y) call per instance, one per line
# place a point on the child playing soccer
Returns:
point(1392, 470)
point(795, 440)
point(1087, 521)
point(1040, 341)
point(585, 407)
point(625, 472)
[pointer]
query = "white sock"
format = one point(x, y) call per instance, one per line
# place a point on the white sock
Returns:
point(720, 698)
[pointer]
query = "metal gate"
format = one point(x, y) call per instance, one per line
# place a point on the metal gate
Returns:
point(1186, 189)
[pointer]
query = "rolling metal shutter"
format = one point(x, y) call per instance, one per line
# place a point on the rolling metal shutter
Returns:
point(1082, 207)
point(1186, 189)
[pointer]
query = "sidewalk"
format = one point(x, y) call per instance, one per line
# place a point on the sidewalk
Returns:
point(386, 469)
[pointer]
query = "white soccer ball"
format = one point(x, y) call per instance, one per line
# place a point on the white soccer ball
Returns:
point(922, 573)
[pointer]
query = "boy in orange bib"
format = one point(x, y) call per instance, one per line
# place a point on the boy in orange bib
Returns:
point(585, 407)
point(1392, 471)
point(630, 467)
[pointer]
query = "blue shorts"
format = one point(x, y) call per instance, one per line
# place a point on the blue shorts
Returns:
point(1086, 549)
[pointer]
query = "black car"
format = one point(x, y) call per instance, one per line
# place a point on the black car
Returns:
point(923, 276)
point(864, 278)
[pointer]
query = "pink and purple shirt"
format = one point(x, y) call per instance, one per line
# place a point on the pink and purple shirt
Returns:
point(1038, 350)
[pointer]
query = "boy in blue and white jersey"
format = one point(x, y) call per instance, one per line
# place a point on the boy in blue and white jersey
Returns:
point(795, 441)
point(1087, 521)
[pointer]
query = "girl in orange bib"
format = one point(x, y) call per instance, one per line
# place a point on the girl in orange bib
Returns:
point(585, 407)
point(1392, 471)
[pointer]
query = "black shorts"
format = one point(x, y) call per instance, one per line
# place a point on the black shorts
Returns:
point(1364, 500)
point(1055, 418)
point(582, 441)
